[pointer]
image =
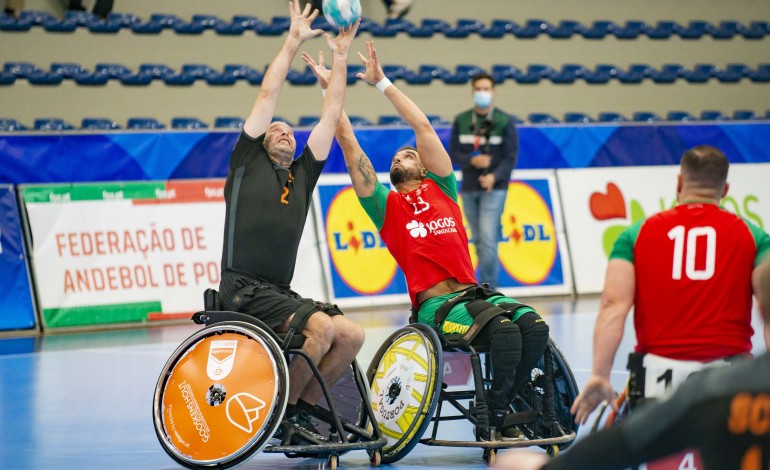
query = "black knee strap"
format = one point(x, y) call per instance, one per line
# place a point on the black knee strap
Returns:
point(299, 320)
point(482, 312)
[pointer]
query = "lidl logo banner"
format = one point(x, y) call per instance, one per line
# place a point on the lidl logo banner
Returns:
point(600, 203)
point(531, 248)
point(361, 270)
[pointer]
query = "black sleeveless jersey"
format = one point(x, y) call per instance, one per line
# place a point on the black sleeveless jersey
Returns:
point(266, 210)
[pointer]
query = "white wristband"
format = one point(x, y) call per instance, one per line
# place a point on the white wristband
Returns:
point(383, 84)
point(323, 92)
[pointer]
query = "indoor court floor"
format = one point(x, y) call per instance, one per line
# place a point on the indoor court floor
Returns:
point(84, 400)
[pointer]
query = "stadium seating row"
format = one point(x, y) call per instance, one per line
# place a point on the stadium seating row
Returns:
point(103, 124)
point(425, 74)
point(428, 27)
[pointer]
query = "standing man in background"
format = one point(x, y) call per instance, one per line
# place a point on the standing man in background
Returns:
point(484, 144)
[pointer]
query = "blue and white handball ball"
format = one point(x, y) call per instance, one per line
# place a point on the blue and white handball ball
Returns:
point(341, 13)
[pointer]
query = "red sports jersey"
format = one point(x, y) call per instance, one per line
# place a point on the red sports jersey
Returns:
point(424, 232)
point(693, 266)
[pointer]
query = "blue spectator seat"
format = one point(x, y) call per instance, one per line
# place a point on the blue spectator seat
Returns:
point(114, 22)
point(564, 30)
point(277, 26)
point(603, 73)
point(578, 118)
point(321, 23)
point(531, 29)
point(308, 121)
point(7, 78)
point(437, 72)
point(599, 29)
point(568, 73)
point(99, 124)
point(469, 25)
point(434, 25)
point(353, 70)
point(731, 73)
point(697, 29)
point(144, 123)
point(760, 74)
point(219, 25)
point(630, 30)
point(157, 23)
point(9, 23)
point(542, 118)
point(745, 115)
point(726, 30)
point(663, 30)
point(10, 125)
point(36, 18)
point(668, 73)
point(400, 25)
point(437, 120)
point(646, 116)
point(188, 123)
point(498, 28)
point(283, 120)
point(713, 115)
point(502, 72)
point(52, 124)
point(394, 72)
point(166, 73)
point(304, 77)
point(535, 73)
point(611, 117)
point(248, 22)
point(372, 27)
point(635, 73)
point(360, 121)
point(229, 122)
point(77, 72)
point(32, 73)
point(465, 72)
point(391, 120)
point(385, 30)
point(682, 116)
point(205, 72)
point(700, 73)
point(72, 21)
point(122, 73)
point(244, 72)
point(756, 30)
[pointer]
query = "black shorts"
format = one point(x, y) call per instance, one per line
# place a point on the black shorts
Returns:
point(269, 303)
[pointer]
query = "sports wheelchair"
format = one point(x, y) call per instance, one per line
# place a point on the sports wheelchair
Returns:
point(650, 377)
point(221, 397)
point(408, 393)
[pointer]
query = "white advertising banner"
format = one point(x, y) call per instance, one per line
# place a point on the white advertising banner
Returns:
point(599, 203)
point(129, 252)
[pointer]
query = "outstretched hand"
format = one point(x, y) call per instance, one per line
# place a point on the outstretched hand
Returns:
point(374, 71)
point(319, 69)
point(302, 20)
point(341, 44)
point(596, 390)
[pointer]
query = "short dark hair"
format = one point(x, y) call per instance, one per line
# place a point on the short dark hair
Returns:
point(705, 166)
point(482, 76)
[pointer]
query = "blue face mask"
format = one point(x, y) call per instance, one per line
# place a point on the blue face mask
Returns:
point(482, 99)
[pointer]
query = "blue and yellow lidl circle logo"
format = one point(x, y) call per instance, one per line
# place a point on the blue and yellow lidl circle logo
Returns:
point(528, 248)
point(357, 252)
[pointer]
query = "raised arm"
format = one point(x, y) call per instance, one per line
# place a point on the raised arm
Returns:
point(262, 113)
point(359, 167)
point(320, 139)
point(432, 152)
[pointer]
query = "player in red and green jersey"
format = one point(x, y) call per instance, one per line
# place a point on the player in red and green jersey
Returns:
point(421, 224)
point(689, 272)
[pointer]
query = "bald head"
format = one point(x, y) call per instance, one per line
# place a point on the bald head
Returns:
point(704, 170)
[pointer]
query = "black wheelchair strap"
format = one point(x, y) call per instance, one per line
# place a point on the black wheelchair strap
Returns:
point(298, 321)
point(482, 312)
point(471, 293)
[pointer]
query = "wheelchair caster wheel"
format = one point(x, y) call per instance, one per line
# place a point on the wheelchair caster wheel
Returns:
point(332, 462)
point(489, 456)
point(375, 459)
point(552, 450)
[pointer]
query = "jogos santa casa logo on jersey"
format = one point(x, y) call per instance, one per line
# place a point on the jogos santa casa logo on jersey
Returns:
point(357, 251)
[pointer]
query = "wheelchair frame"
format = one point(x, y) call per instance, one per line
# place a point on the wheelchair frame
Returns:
point(344, 435)
point(532, 415)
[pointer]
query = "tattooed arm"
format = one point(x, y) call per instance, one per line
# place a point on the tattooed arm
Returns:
point(359, 167)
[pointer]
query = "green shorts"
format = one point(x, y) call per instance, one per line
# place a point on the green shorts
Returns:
point(459, 320)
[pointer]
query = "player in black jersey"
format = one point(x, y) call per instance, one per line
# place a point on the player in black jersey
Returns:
point(721, 413)
point(267, 195)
